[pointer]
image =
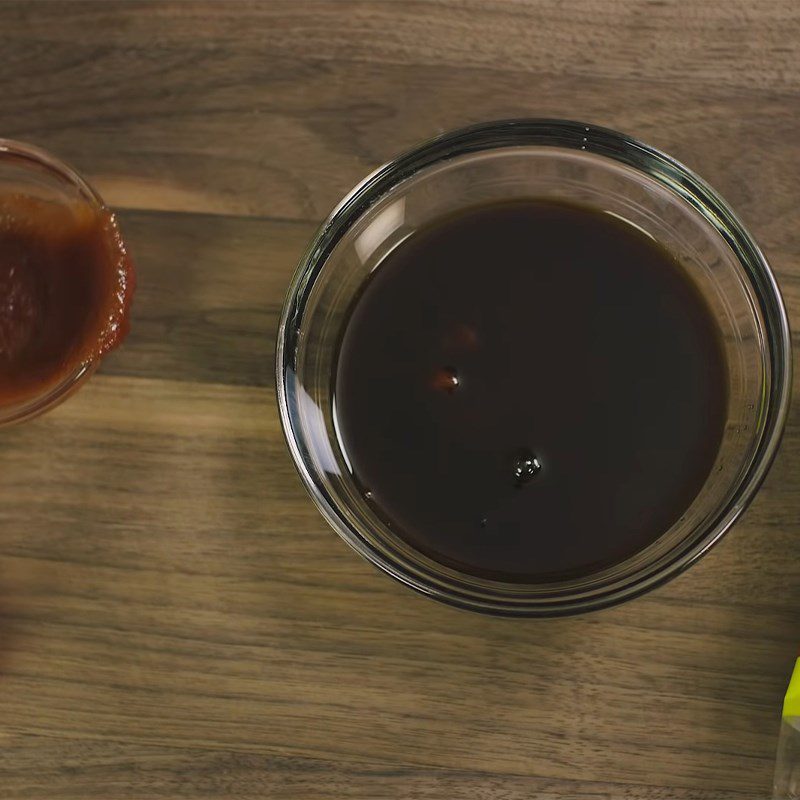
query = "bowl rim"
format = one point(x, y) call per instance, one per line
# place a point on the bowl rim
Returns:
point(543, 133)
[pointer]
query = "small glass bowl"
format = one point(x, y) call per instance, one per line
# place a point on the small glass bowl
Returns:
point(537, 159)
point(29, 170)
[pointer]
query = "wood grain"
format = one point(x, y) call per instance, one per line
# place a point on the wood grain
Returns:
point(176, 620)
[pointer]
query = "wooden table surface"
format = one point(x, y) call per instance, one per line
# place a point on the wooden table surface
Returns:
point(176, 619)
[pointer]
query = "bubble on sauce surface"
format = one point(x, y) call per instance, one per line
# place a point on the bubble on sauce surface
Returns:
point(526, 466)
point(446, 380)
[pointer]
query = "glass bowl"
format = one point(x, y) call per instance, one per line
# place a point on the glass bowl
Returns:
point(31, 171)
point(536, 159)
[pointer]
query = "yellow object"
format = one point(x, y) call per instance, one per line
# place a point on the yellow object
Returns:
point(791, 703)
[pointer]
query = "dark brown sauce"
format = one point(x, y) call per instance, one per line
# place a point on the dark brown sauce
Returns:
point(531, 390)
point(66, 284)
